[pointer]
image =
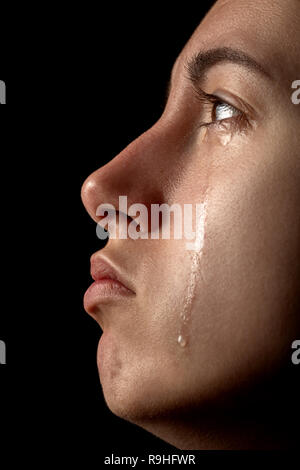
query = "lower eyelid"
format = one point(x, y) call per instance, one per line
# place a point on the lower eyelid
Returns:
point(233, 124)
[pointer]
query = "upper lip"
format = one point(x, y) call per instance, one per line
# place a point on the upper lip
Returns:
point(102, 269)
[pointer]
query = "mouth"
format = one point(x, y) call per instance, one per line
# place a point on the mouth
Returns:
point(109, 285)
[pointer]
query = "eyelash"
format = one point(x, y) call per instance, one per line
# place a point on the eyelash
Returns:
point(240, 121)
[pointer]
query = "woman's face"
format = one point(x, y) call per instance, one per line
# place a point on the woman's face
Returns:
point(237, 155)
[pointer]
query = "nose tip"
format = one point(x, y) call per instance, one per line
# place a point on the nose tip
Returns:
point(89, 196)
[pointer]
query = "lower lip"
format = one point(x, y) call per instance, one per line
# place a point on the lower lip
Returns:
point(104, 290)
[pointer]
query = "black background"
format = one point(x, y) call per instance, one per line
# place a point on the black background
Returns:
point(81, 85)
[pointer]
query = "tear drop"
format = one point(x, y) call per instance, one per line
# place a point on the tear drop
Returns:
point(182, 341)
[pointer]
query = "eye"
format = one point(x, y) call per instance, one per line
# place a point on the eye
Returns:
point(222, 110)
point(215, 112)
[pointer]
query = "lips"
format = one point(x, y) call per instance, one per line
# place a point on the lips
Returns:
point(110, 285)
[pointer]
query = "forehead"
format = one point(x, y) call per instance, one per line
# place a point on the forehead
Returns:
point(267, 30)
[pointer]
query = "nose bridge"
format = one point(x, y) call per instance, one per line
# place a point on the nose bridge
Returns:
point(137, 172)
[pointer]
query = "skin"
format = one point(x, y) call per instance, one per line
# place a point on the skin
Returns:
point(221, 390)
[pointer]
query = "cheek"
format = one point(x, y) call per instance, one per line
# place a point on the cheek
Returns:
point(163, 298)
point(246, 306)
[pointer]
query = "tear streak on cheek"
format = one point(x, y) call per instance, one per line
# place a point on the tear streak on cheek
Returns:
point(209, 139)
point(195, 276)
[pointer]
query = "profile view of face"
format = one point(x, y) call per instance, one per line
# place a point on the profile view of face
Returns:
point(189, 334)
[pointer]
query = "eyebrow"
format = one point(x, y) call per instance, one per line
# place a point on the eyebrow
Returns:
point(199, 65)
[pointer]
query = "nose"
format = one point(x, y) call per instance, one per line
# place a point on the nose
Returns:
point(142, 172)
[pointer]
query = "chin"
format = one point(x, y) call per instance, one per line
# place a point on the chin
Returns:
point(130, 400)
point(127, 392)
point(135, 392)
